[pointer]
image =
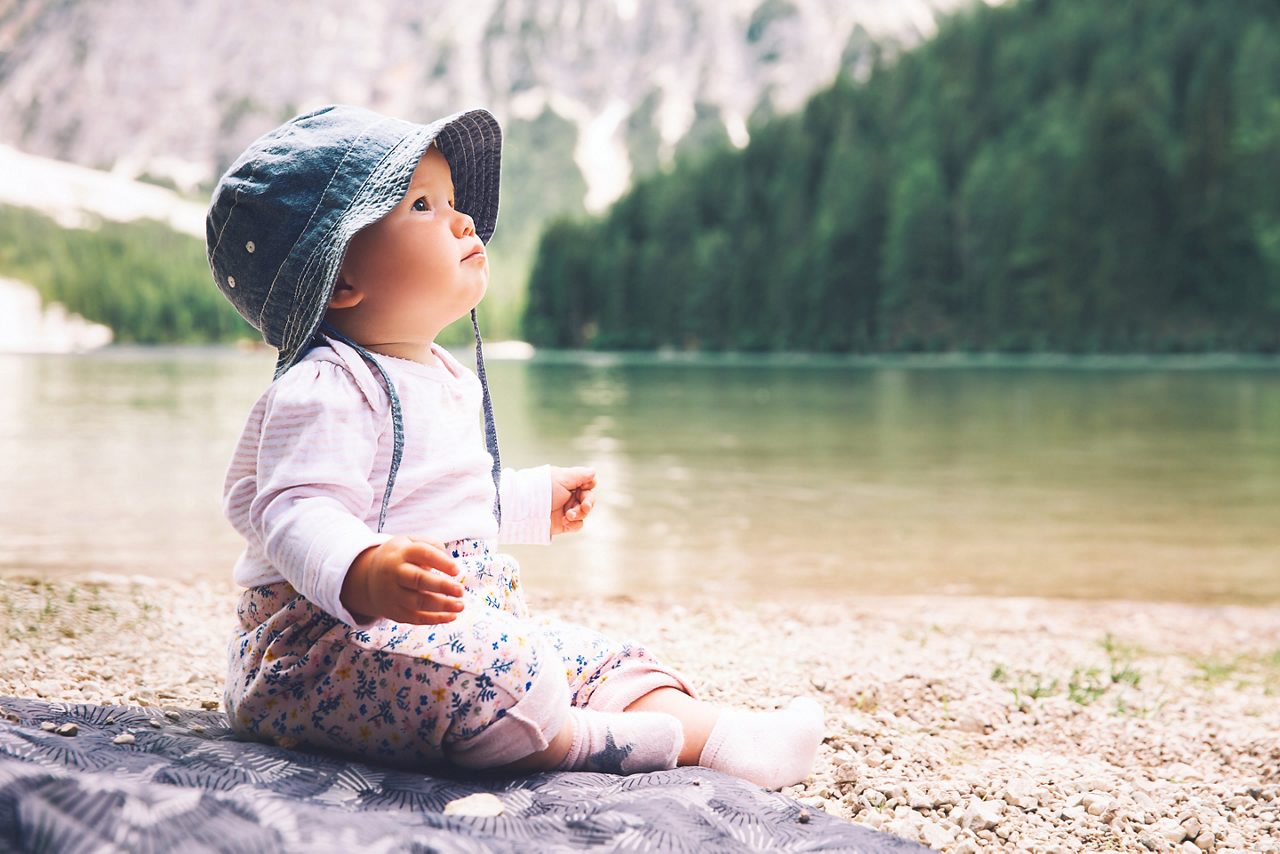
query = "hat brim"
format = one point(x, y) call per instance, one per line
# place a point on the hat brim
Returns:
point(471, 141)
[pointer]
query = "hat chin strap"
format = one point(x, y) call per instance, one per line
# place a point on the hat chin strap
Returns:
point(490, 431)
point(397, 419)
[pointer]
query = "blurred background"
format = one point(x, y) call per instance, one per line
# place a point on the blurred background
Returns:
point(838, 296)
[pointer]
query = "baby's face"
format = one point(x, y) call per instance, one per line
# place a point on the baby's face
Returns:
point(415, 269)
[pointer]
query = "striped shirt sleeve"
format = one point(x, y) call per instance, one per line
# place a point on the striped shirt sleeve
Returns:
point(526, 505)
point(319, 437)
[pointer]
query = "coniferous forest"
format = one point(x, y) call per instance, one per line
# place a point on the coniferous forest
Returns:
point(1083, 177)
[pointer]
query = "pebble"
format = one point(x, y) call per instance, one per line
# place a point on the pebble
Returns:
point(197, 727)
point(1171, 831)
point(210, 705)
point(68, 729)
point(478, 804)
point(48, 726)
point(172, 714)
point(1097, 803)
point(983, 815)
point(936, 835)
point(155, 723)
point(123, 738)
point(1022, 793)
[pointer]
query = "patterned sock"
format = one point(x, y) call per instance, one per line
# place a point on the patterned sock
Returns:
point(771, 749)
point(622, 742)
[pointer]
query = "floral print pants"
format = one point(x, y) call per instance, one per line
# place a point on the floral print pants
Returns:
point(488, 688)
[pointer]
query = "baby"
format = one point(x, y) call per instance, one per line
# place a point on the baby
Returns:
point(379, 619)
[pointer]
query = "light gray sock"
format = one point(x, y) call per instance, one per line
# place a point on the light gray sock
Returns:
point(771, 749)
point(622, 742)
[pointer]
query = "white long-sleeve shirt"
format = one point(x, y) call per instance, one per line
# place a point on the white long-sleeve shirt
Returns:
point(307, 477)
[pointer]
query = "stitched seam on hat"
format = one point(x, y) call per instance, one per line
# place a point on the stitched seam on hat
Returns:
point(467, 142)
point(325, 246)
point(363, 133)
point(322, 255)
point(490, 192)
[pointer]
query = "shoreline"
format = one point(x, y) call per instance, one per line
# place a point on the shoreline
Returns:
point(966, 722)
point(522, 351)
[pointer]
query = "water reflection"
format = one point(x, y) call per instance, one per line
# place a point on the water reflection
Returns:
point(756, 480)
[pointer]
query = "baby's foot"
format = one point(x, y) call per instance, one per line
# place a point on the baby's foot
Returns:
point(622, 742)
point(771, 749)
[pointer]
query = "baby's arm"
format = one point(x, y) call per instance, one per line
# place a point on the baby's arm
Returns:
point(310, 482)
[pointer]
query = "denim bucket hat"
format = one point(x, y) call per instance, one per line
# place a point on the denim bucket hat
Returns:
point(283, 214)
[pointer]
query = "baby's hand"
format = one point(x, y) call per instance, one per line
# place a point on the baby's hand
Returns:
point(404, 580)
point(572, 497)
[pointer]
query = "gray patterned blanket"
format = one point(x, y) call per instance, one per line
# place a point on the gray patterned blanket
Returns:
point(185, 783)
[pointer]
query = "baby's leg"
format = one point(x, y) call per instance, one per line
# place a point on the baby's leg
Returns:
point(771, 749)
point(612, 742)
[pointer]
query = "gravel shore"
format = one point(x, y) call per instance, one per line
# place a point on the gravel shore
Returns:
point(967, 723)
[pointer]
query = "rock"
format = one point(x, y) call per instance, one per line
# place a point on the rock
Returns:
point(983, 815)
point(965, 846)
point(155, 723)
point(1022, 793)
point(1178, 771)
point(1234, 840)
point(969, 722)
point(1205, 841)
point(803, 817)
point(1076, 813)
point(1148, 841)
point(1188, 847)
point(68, 729)
point(478, 804)
point(1097, 803)
point(917, 800)
point(874, 798)
point(197, 727)
point(1191, 826)
point(1170, 831)
point(123, 738)
point(172, 714)
point(210, 705)
point(48, 726)
point(936, 835)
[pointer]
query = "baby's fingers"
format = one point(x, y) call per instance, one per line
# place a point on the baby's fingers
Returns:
point(427, 556)
point(415, 579)
point(585, 502)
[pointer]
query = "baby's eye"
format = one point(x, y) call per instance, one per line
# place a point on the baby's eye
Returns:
point(420, 201)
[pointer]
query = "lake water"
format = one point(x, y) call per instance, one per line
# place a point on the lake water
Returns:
point(758, 478)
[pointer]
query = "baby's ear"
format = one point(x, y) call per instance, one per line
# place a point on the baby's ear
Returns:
point(344, 295)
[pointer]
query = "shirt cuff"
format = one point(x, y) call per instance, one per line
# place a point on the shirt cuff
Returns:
point(526, 506)
point(332, 571)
